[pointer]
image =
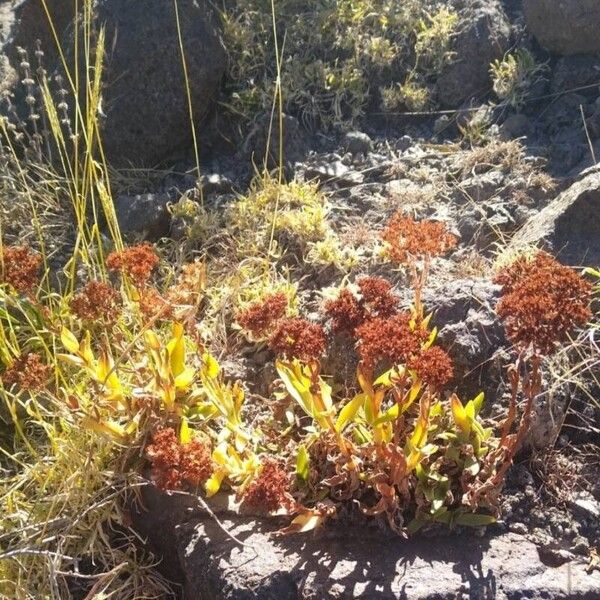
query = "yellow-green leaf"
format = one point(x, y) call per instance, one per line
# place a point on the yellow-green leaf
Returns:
point(303, 522)
point(185, 378)
point(474, 520)
point(302, 463)
point(349, 411)
point(176, 348)
point(69, 341)
point(211, 366)
point(109, 429)
point(213, 485)
point(152, 340)
point(432, 336)
point(460, 415)
point(185, 433)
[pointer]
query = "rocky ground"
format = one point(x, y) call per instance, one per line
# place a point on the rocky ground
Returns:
point(527, 178)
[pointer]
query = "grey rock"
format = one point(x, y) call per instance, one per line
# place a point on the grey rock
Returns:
point(144, 99)
point(24, 22)
point(580, 545)
point(516, 126)
point(262, 144)
point(344, 564)
point(215, 183)
point(333, 172)
point(547, 419)
point(480, 188)
point(484, 36)
point(564, 26)
point(519, 528)
point(441, 124)
point(357, 142)
point(585, 505)
point(569, 226)
point(144, 215)
point(576, 72)
point(404, 143)
point(470, 331)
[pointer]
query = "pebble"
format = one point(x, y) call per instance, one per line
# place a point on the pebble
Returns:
point(519, 528)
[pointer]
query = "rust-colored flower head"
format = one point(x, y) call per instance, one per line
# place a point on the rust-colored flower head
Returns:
point(375, 298)
point(20, 268)
point(260, 317)
point(97, 301)
point(267, 492)
point(434, 367)
point(345, 312)
point(378, 298)
point(409, 239)
point(542, 302)
point(298, 338)
point(28, 372)
point(154, 306)
point(137, 262)
point(190, 285)
point(174, 463)
point(391, 341)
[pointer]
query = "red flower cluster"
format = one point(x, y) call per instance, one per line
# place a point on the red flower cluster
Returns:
point(174, 463)
point(376, 299)
point(410, 239)
point(389, 340)
point(298, 338)
point(97, 301)
point(268, 491)
point(20, 268)
point(542, 302)
point(136, 262)
point(260, 317)
point(28, 372)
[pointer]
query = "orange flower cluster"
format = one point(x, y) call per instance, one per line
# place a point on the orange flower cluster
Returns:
point(20, 268)
point(174, 463)
point(28, 372)
point(410, 239)
point(153, 306)
point(389, 340)
point(434, 367)
point(542, 302)
point(298, 338)
point(375, 299)
point(97, 301)
point(260, 317)
point(136, 262)
point(267, 492)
